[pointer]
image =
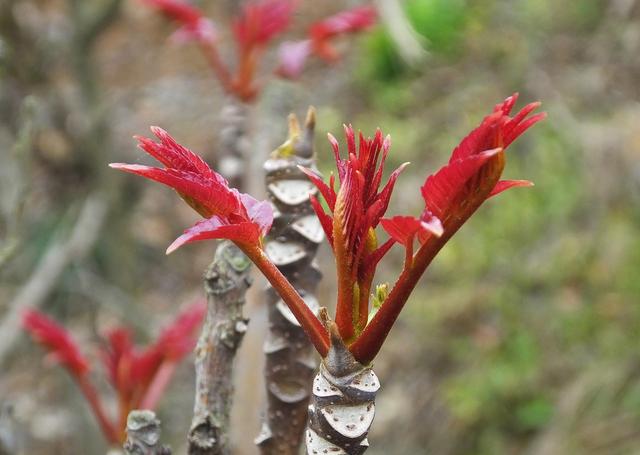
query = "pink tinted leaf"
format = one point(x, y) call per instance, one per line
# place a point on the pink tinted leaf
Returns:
point(203, 31)
point(347, 21)
point(216, 228)
point(292, 56)
point(260, 212)
point(504, 185)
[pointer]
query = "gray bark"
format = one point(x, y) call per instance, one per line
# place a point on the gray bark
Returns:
point(143, 435)
point(226, 282)
point(291, 245)
point(343, 403)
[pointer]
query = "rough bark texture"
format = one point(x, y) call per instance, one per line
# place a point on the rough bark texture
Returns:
point(343, 403)
point(226, 282)
point(291, 245)
point(143, 435)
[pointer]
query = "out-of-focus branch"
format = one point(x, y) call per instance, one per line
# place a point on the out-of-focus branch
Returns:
point(13, 211)
point(143, 435)
point(9, 434)
point(53, 263)
point(226, 282)
point(101, 20)
point(409, 44)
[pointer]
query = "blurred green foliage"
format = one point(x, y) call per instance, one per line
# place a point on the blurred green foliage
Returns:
point(528, 320)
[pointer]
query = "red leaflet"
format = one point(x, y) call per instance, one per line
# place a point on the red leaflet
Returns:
point(349, 21)
point(472, 175)
point(357, 209)
point(132, 369)
point(139, 376)
point(293, 54)
point(65, 351)
point(261, 21)
point(230, 214)
point(55, 338)
point(451, 196)
point(194, 25)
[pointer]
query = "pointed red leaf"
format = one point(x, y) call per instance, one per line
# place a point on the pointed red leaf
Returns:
point(327, 192)
point(443, 187)
point(57, 340)
point(261, 21)
point(403, 229)
point(215, 228)
point(178, 338)
point(504, 185)
point(349, 21)
point(194, 24)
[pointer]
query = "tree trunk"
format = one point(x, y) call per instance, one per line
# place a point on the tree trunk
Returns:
point(226, 282)
point(343, 403)
point(291, 245)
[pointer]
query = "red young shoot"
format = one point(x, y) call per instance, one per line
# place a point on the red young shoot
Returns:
point(138, 376)
point(451, 196)
point(356, 208)
point(229, 215)
point(259, 22)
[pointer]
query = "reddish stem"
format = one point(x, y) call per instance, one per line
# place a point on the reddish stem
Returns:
point(365, 348)
point(91, 394)
point(309, 322)
point(219, 68)
point(368, 344)
point(158, 385)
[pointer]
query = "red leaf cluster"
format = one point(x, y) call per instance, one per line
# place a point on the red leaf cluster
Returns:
point(138, 375)
point(356, 210)
point(57, 341)
point(229, 214)
point(451, 196)
point(294, 54)
point(469, 178)
point(258, 23)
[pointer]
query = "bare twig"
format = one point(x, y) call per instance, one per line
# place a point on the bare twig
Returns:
point(9, 433)
point(47, 273)
point(226, 282)
point(14, 206)
point(143, 435)
point(291, 245)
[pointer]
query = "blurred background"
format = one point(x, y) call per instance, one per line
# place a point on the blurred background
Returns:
point(523, 335)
